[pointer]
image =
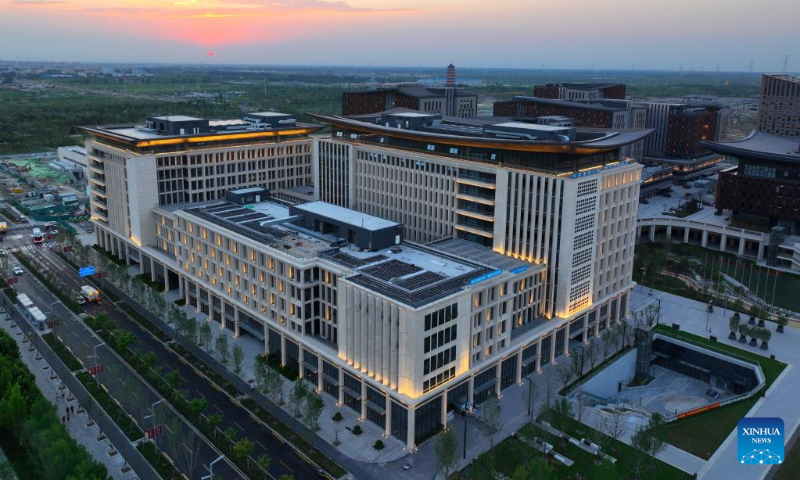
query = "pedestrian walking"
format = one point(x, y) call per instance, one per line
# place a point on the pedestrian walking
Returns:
point(67, 415)
point(72, 409)
point(63, 420)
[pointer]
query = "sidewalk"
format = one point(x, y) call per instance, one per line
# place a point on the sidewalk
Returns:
point(99, 449)
point(780, 400)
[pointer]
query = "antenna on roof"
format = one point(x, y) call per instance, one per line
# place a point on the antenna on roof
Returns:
point(786, 64)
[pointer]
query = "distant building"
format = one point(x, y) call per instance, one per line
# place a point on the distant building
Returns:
point(581, 91)
point(679, 130)
point(779, 105)
point(446, 100)
point(614, 114)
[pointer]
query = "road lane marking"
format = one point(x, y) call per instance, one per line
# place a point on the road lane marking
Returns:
point(287, 466)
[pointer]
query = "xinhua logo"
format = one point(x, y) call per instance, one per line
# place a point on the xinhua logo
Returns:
point(760, 441)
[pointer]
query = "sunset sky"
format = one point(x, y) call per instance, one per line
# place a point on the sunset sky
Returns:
point(653, 34)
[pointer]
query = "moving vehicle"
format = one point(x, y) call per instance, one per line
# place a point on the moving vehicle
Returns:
point(50, 225)
point(18, 270)
point(90, 293)
point(3, 228)
point(80, 299)
point(37, 236)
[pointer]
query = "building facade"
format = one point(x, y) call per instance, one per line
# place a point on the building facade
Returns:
point(446, 261)
point(779, 105)
point(581, 91)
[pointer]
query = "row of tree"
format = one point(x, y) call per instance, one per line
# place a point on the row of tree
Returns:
point(32, 422)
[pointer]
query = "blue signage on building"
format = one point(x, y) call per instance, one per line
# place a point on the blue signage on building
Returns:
point(485, 276)
point(518, 270)
point(86, 271)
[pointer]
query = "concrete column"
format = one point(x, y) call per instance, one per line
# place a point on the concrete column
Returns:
point(388, 426)
point(341, 386)
point(471, 389)
point(638, 232)
point(283, 348)
point(704, 239)
point(235, 320)
point(127, 256)
point(166, 281)
point(585, 328)
point(723, 242)
point(412, 418)
point(566, 339)
point(669, 231)
point(686, 234)
point(519, 366)
point(363, 400)
point(222, 317)
point(319, 372)
point(552, 351)
point(444, 409)
point(497, 371)
point(742, 243)
point(152, 269)
point(185, 291)
point(266, 340)
point(539, 355)
point(652, 233)
point(301, 368)
point(761, 249)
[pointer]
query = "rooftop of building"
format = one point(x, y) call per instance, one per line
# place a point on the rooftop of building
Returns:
point(183, 129)
point(760, 145)
point(415, 90)
point(411, 274)
point(595, 105)
point(589, 85)
point(784, 76)
point(485, 132)
point(346, 215)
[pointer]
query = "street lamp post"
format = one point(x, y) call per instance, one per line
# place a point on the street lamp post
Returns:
point(210, 476)
point(464, 416)
point(658, 313)
point(153, 416)
point(530, 396)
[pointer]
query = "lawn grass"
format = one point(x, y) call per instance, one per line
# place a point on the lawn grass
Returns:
point(584, 461)
point(701, 435)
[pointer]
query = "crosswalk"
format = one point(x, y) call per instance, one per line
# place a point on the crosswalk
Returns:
point(30, 246)
point(21, 226)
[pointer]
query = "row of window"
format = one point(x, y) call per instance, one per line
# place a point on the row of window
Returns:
point(441, 316)
point(439, 360)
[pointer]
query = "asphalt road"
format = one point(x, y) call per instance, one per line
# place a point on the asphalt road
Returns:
point(124, 385)
point(285, 459)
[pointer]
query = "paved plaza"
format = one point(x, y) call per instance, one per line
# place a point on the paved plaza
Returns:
point(780, 400)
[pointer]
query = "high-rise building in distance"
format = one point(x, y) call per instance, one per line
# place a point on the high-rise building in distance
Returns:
point(779, 105)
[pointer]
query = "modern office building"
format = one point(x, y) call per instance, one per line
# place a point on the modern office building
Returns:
point(177, 159)
point(609, 114)
point(581, 91)
point(448, 99)
point(679, 130)
point(764, 190)
point(779, 105)
point(447, 258)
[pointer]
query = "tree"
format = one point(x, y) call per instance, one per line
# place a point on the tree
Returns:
point(214, 420)
point(753, 333)
point(197, 405)
point(782, 322)
point(238, 358)
point(260, 367)
point(148, 360)
point(563, 409)
point(191, 329)
point(492, 412)
point(446, 449)
point(591, 353)
point(765, 337)
point(242, 449)
point(743, 329)
point(733, 325)
point(649, 439)
point(223, 353)
point(263, 462)
point(614, 425)
point(205, 336)
point(273, 386)
point(337, 419)
point(577, 357)
point(13, 407)
point(312, 410)
point(536, 469)
point(609, 339)
point(173, 379)
point(565, 372)
point(124, 339)
point(286, 476)
point(297, 397)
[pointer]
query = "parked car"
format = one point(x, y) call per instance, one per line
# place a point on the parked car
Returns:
point(80, 299)
point(18, 270)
